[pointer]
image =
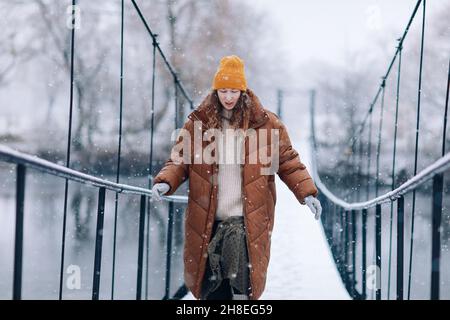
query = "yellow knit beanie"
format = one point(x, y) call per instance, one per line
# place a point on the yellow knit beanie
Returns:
point(230, 74)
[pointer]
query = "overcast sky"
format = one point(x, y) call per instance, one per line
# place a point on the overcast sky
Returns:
point(314, 29)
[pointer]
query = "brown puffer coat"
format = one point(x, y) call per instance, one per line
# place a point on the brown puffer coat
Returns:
point(258, 194)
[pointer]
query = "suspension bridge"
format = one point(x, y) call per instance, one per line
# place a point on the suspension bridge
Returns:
point(347, 255)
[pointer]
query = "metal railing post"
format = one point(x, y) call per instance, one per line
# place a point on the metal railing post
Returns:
point(169, 250)
point(353, 284)
point(98, 244)
point(140, 261)
point(364, 254)
point(378, 249)
point(400, 245)
point(438, 182)
point(18, 244)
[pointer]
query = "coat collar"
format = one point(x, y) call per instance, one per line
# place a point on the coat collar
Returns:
point(257, 115)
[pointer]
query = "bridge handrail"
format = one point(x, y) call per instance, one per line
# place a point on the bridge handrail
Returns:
point(13, 156)
point(441, 165)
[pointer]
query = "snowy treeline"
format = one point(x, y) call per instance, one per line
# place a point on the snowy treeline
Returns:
point(35, 72)
point(344, 95)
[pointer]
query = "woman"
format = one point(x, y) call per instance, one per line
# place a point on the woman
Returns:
point(230, 212)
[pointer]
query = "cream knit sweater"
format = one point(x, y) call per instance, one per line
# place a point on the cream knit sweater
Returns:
point(230, 176)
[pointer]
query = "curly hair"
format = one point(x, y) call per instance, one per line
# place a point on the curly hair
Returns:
point(243, 105)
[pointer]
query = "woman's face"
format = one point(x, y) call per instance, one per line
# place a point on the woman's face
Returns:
point(228, 97)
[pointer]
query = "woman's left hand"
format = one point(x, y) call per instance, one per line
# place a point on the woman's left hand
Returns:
point(314, 205)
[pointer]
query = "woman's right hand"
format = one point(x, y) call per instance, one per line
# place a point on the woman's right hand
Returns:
point(158, 190)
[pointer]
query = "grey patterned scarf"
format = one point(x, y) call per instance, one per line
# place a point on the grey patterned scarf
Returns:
point(228, 257)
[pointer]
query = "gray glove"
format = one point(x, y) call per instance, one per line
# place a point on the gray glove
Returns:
point(158, 190)
point(314, 205)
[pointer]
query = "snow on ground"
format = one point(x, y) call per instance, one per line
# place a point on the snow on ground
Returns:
point(301, 265)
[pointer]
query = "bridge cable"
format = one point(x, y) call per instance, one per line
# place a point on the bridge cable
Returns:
point(116, 202)
point(419, 93)
point(377, 175)
point(444, 135)
point(397, 96)
point(150, 170)
point(69, 140)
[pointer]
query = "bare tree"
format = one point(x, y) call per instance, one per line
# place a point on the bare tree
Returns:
point(345, 95)
point(90, 57)
point(13, 49)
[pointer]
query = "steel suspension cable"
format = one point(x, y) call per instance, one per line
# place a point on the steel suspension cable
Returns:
point(378, 217)
point(397, 96)
point(444, 134)
point(150, 170)
point(419, 94)
point(380, 129)
point(369, 156)
point(116, 202)
point(69, 142)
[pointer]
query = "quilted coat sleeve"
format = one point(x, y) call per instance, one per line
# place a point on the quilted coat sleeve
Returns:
point(175, 173)
point(292, 171)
